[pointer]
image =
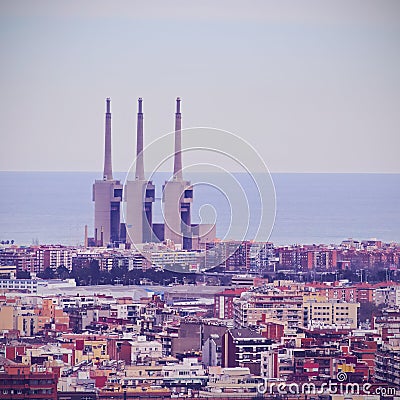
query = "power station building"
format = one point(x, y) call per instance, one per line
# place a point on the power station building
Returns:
point(107, 196)
point(178, 195)
point(139, 195)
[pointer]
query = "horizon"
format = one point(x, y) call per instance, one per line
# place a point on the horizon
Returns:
point(311, 207)
point(204, 171)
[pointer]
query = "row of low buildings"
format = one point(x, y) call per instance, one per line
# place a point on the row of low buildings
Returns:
point(296, 304)
point(305, 302)
point(172, 345)
point(233, 256)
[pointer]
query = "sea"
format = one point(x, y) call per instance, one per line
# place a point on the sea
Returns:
point(293, 208)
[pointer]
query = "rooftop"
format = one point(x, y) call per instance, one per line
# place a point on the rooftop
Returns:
point(245, 333)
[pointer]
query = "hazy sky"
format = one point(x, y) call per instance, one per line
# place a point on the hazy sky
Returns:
point(313, 85)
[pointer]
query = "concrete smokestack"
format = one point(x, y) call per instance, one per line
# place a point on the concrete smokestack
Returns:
point(86, 236)
point(178, 144)
point(139, 143)
point(107, 174)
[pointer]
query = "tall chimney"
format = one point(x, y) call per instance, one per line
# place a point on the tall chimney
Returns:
point(139, 143)
point(107, 174)
point(178, 145)
point(86, 236)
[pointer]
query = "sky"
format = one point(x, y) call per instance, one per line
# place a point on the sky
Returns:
point(313, 86)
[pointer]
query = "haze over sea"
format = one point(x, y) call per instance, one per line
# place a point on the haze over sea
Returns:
point(54, 207)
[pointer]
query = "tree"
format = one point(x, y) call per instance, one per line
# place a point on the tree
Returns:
point(104, 278)
point(350, 275)
point(80, 275)
point(62, 272)
point(23, 275)
point(48, 273)
point(118, 274)
point(367, 311)
point(93, 272)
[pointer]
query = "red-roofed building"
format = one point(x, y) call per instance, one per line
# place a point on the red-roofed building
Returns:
point(12, 352)
point(311, 369)
point(17, 381)
point(365, 351)
point(272, 330)
point(365, 293)
point(223, 302)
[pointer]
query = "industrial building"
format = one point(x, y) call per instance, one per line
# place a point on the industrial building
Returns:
point(139, 195)
point(107, 195)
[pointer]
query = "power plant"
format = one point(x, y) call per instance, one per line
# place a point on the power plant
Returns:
point(107, 196)
point(178, 195)
point(139, 195)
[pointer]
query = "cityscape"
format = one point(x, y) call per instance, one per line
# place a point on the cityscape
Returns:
point(154, 302)
point(98, 322)
point(147, 310)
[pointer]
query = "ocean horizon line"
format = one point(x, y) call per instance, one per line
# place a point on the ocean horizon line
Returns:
point(213, 172)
